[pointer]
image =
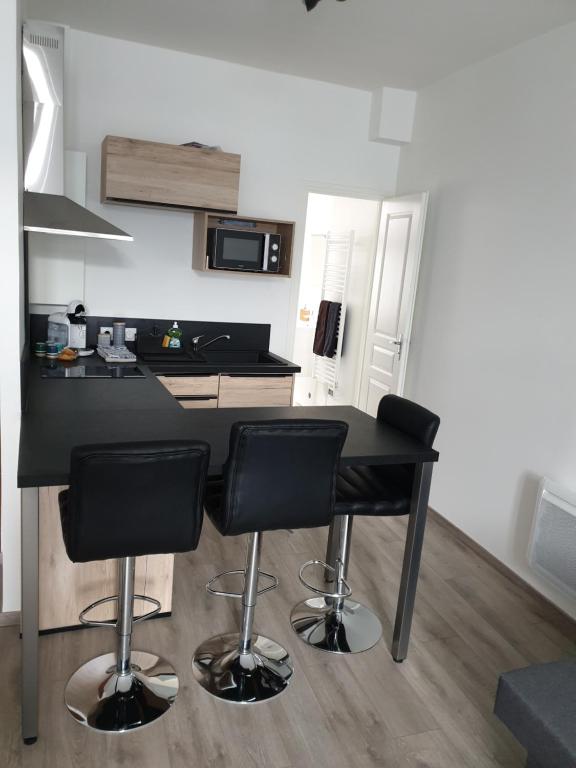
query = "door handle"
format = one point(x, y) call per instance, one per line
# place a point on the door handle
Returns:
point(398, 342)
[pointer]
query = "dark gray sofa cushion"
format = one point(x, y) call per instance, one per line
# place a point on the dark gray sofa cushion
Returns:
point(538, 704)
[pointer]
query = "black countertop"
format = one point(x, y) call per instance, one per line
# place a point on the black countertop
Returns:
point(63, 413)
point(79, 395)
point(234, 362)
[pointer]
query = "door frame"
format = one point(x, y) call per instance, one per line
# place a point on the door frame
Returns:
point(412, 297)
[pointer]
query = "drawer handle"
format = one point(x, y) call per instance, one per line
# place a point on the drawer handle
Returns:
point(197, 397)
point(256, 375)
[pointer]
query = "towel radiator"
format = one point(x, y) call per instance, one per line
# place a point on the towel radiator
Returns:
point(335, 280)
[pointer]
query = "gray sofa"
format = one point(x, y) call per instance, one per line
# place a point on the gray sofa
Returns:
point(538, 704)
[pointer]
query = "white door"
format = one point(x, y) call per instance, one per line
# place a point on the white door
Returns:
point(393, 295)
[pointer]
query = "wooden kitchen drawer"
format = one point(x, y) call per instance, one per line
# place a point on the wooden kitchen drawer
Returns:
point(254, 391)
point(188, 386)
point(152, 173)
point(199, 402)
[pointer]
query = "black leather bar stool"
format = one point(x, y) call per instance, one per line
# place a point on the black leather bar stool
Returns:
point(332, 621)
point(127, 500)
point(279, 474)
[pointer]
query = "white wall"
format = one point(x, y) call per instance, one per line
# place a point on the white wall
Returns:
point(493, 350)
point(11, 337)
point(294, 135)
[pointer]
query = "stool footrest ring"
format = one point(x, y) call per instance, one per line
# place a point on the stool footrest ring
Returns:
point(345, 593)
point(113, 622)
point(239, 595)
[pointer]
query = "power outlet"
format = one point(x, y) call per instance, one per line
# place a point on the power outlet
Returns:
point(130, 332)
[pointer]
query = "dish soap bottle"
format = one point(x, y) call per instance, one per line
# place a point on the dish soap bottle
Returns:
point(173, 337)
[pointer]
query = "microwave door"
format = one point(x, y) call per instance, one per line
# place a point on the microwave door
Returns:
point(266, 253)
point(240, 250)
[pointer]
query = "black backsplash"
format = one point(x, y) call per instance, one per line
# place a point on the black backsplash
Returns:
point(242, 335)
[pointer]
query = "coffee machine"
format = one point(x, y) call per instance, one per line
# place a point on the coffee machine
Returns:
point(69, 328)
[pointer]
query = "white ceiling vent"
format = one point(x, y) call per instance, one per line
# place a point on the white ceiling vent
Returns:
point(552, 550)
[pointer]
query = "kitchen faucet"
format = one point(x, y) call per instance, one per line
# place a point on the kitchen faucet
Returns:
point(196, 347)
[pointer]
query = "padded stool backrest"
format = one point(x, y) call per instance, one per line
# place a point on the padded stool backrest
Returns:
point(281, 474)
point(409, 417)
point(134, 499)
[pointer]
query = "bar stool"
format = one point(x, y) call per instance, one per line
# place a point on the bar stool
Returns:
point(332, 621)
point(279, 474)
point(127, 500)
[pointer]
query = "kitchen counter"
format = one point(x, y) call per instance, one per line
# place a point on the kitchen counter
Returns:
point(235, 361)
point(62, 413)
point(78, 395)
point(85, 394)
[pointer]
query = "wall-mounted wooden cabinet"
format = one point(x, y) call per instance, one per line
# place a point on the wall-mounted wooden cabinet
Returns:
point(204, 221)
point(167, 175)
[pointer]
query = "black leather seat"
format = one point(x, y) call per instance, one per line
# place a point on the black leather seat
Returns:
point(127, 500)
point(373, 490)
point(134, 499)
point(279, 474)
point(387, 490)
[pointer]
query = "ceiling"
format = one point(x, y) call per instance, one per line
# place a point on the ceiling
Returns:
point(359, 43)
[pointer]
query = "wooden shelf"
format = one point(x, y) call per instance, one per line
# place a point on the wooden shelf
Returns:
point(169, 176)
point(203, 220)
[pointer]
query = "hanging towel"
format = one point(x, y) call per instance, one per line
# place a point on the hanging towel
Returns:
point(320, 334)
point(331, 333)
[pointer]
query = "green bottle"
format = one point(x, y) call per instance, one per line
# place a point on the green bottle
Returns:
point(173, 337)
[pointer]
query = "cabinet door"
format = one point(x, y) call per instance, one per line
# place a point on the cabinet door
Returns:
point(254, 391)
point(66, 588)
point(148, 172)
point(191, 386)
point(199, 402)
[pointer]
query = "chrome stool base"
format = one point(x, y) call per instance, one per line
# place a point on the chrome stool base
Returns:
point(242, 678)
point(102, 699)
point(352, 629)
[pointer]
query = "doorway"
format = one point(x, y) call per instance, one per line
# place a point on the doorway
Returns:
point(377, 246)
point(339, 247)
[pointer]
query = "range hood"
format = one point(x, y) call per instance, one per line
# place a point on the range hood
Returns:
point(46, 209)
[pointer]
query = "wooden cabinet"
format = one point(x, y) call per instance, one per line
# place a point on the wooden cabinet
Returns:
point(199, 402)
point(151, 173)
point(227, 390)
point(203, 221)
point(191, 386)
point(67, 588)
point(252, 391)
point(193, 391)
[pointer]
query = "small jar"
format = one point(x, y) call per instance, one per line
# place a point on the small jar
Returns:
point(119, 334)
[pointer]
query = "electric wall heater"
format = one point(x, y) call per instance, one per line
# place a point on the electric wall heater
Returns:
point(552, 549)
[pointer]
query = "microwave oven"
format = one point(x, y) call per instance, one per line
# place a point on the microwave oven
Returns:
point(243, 249)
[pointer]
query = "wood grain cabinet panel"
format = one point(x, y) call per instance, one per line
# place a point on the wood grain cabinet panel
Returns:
point(67, 588)
point(190, 386)
point(201, 402)
point(152, 173)
point(253, 391)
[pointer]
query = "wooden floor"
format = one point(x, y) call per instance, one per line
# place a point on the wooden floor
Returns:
point(432, 711)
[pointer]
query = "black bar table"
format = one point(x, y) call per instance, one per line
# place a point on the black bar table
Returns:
point(47, 437)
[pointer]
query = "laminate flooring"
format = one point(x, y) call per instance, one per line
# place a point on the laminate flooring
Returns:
point(361, 711)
